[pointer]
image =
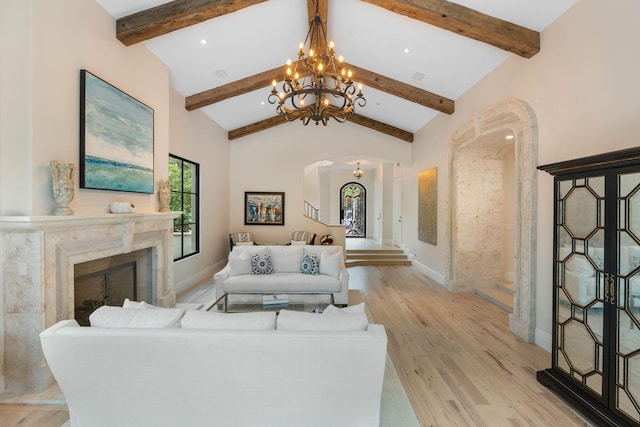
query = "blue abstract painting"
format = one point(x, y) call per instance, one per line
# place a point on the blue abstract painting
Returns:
point(116, 138)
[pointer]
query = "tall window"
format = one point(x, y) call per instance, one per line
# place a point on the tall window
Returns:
point(185, 197)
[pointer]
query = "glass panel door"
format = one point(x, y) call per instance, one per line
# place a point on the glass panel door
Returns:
point(627, 394)
point(579, 349)
point(353, 210)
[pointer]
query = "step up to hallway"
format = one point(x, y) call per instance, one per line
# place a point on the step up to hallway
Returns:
point(364, 257)
point(500, 295)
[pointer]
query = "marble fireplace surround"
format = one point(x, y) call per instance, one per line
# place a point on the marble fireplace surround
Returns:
point(37, 258)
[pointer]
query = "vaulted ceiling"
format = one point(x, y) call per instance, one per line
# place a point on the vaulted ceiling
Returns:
point(414, 57)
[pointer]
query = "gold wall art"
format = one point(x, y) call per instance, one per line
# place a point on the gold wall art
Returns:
point(428, 206)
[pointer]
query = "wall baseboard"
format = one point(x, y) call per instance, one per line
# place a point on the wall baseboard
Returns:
point(429, 272)
point(198, 278)
point(543, 339)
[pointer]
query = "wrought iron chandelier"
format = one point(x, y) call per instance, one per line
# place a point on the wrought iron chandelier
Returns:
point(316, 87)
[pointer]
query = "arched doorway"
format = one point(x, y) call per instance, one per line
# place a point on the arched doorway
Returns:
point(518, 118)
point(353, 209)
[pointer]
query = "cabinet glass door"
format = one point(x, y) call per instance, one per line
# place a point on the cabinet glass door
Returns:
point(627, 280)
point(579, 349)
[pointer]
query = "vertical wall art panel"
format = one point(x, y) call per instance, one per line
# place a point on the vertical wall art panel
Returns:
point(428, 206)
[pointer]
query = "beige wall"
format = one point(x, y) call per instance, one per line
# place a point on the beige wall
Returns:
point(47, 43)
point(583, 89)
point(274, 160)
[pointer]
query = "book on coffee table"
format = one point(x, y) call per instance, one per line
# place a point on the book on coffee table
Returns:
point(275, 299)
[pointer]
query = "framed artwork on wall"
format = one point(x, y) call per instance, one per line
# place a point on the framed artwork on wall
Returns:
point(263, 208)
point(116, 138)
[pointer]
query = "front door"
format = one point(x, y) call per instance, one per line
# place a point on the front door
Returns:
point(353, 209)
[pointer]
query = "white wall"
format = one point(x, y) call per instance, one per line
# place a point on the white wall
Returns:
point(583, 88)
point(44, 45)
point(274, 160)
point(195, 137)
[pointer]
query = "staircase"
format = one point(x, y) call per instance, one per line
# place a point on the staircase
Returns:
point(500, 295)
point(364, 257)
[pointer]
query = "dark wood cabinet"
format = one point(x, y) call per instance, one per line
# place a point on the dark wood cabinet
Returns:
point(596, 286)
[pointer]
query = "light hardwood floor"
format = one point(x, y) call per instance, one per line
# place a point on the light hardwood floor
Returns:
point(457, 361)
point(455, 357)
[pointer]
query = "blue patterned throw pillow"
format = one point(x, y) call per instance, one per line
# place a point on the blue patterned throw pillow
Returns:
point(310, 265)
point(261, 264)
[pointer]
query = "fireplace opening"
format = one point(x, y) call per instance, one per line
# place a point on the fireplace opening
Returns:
point(105, 287)
point(108, 281)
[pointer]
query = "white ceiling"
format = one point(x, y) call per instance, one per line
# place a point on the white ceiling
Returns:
point(264, 36)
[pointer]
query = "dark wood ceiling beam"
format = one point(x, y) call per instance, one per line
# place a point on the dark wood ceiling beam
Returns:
point(381, 127)
point(467, 22)
point(172, 16)
point(257, 127)
point(239, 87)
point(356, 118)
point(402, 90)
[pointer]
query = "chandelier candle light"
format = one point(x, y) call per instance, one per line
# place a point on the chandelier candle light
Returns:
point(316, 87)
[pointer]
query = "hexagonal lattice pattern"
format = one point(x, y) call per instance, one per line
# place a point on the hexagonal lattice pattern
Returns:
point(580, 280)
point(581, 212)
point(579, 347)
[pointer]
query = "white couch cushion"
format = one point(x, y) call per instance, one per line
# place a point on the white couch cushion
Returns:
point(239, 263)
point(119, 317)
point(260, 320)
point(332, 309)
point(330, 263)
point(282, 283)
point(286, 259)
point(142, 305)
point(303, 321)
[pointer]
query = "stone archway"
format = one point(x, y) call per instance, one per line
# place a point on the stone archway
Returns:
point(519, 118)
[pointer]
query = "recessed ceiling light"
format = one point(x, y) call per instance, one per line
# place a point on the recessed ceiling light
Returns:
point(508, 137)
point(221, 74)
point(418, 76)
point(406, 50)
point(262, 103)
point(203, 41)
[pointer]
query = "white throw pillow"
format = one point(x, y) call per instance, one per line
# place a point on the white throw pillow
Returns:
point(286, 259)
point(141, 305)
point(249, 243)
point(119, 317)
point(332, 309)
point(196, 319)
point(239, 263)
point(298, 243)
point(330, 264)
point(303, 321)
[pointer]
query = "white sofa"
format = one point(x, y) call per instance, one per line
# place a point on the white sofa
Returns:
point(173, 376)
point(237, 277)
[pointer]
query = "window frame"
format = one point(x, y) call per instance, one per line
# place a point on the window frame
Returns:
point(194, 195)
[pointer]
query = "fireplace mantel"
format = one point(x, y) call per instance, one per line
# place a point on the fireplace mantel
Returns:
point(37, 258)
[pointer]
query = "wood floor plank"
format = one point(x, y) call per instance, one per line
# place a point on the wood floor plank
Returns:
point(459, 364)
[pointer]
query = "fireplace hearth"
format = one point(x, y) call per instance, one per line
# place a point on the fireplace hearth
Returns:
point(38, 258)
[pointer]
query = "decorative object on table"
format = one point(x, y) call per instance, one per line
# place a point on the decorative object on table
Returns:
point(122, 207)
point(62, 183)
point(164, 194)
point(327, 239)
point(428, 206)
point(316, 87)
point(275, 301)
point(263, 208)
point(116, 138)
